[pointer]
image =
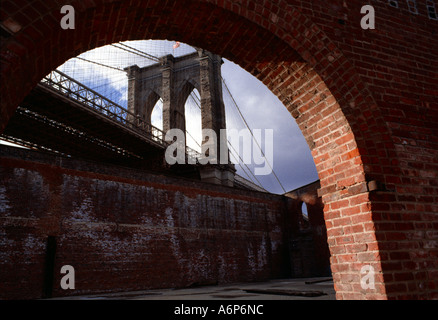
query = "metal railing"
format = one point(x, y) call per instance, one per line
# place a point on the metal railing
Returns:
point(72, 89)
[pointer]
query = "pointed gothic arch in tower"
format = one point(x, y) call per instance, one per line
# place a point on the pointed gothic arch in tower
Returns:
point(173, 79)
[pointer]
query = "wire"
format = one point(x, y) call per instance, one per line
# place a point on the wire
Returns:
point(137, 52)
point(259, 183)
point(193, 96)
point(100, 64)
point(140, 52)
point(243, 118)
point(196, 99)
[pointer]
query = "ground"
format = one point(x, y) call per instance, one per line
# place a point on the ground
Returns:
point(237, 291)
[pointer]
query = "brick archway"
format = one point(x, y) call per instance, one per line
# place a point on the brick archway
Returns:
point(299, 56)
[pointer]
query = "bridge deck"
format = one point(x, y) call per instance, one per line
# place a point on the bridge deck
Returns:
point(64, 116)
point(52, 121)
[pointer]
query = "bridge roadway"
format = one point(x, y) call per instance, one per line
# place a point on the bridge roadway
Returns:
point(64, 116)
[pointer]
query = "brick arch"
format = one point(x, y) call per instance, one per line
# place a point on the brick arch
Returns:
point(279, 45)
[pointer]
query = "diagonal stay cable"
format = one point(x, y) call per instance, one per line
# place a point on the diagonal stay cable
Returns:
point(193, 139)
point(246, 123)
point(244, 171)
point(238, 155)
point(234, 154)
point(193, 96)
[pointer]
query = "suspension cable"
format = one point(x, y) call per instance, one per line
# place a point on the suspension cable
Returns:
point(193, 96)
point(99, 64)
point(136, 51)
point(238, 155)
point(246, 124)
point(196, 100)
point(141, 52)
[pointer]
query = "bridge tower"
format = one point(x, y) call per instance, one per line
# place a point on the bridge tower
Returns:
point(172, 80)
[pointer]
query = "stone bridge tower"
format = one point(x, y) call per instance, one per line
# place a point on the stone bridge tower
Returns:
point(172, 80)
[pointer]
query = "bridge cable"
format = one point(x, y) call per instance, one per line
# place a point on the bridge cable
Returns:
point(152, 57)
point(243, 169)
point(137, 52)
point(192, 95)
point(100, 64)
point(246, 123)
point(238, 155)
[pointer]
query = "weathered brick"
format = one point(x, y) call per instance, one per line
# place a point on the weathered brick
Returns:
point(379, 86)
point(125, 229)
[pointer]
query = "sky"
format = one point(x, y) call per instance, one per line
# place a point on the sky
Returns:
point(292, 161)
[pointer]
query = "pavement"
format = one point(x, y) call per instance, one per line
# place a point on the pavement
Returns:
point(285, 289)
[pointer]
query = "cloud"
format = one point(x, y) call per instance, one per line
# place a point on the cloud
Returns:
point(293, 162)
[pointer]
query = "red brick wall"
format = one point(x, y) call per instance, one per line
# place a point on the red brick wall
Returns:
point(312, 231)
point(124, 229)
point(366, 101)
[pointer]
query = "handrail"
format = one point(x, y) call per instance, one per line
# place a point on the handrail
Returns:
point(75, 90)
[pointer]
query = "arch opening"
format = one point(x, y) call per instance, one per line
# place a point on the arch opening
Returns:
point(151, 106)
point(193, 120)
point(311, 90)
point(157, 115)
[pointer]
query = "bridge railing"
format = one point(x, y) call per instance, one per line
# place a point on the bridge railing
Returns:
point(71, 88)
